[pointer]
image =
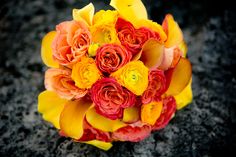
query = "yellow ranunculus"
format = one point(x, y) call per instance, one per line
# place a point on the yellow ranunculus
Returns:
point(133, 76)
point(103, 30)
point(85, 73)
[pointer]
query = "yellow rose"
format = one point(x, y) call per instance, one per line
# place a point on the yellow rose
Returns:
point(133, 76)
point(103, 29)
point(85, 73)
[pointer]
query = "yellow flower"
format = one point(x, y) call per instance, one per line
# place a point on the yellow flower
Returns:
point(85, 73)
point(103, 30)
point(133, 76)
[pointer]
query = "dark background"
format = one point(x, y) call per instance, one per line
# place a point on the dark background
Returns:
point(206, 128)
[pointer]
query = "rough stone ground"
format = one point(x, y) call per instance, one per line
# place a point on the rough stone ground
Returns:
point(206, 128)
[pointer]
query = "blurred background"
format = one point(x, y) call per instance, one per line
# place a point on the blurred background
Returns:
point(206, 128)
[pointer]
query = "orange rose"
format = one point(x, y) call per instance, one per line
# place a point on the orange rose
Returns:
point(71, 42)
point(133, 39)
point(59, 81)
point(111, 57)
point(156, 86)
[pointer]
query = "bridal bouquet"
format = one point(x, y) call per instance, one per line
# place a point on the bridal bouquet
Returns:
point(114, 75)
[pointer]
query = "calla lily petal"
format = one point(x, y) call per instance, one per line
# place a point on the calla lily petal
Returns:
point(151, 112)
point(131, 10)
point(84, 14)
point(168, 57)
point(46, 50)
point(180, 77)
point(185, 97)
point(102, 123)
point(51, 106)
point(72, 117)
point(131, 114)
point(151, 54)
point(174, 33)
point(100, 144)
point(183, 47)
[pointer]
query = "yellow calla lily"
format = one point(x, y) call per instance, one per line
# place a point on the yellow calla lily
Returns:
point(84, 14)
point(51, 106)
point(72, 118)
point(131, 10)
point(185, 97)
point(102, 123)
point(46, 50)
point(131, 114)
point(100, 144)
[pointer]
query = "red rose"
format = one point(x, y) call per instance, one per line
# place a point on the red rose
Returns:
point(110, 57)
point(156, 86)
point(110, 98)
point(169, 108)
point(134, 132)
point(133, 39)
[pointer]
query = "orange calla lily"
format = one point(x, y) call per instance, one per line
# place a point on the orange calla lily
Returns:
point(84, 14)
point(51, 106)
point(46, 50)
point(174, 33)
point(72, 117)
point(180, 77)
point(102, 123)
point(151, 54)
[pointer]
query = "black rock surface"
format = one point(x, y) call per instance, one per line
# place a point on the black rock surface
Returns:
point(206, 128)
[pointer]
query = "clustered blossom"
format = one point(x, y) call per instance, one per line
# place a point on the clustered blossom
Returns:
point(114, 77)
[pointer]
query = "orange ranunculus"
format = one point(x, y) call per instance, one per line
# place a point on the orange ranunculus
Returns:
point(111, 57)
point(71, 42)
point(133, 39)
point(85, 73)
point(156, 86)
point(60, 81)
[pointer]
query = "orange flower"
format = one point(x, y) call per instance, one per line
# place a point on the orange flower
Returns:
point(71, 42)
point(85, 73)
point(60, 81)
point(111, 57)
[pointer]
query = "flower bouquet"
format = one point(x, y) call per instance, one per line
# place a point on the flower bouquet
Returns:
point(114, 75)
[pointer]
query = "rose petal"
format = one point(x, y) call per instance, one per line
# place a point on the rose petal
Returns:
point(153, 26)
point(72, 117)
point(174, 33)
point(131, 114)
point(151, 54)
point(151, 112)
point(130, 9)
point(46, 50)
point(185, 97)
point(134, 132)
point(102, 123)
point(51, 106)
point(84, 14)
point(180, 77)
point(100, 144)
